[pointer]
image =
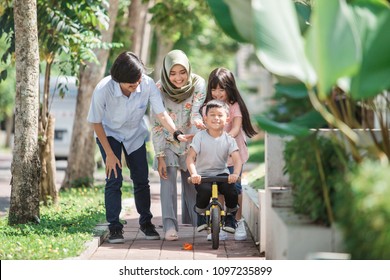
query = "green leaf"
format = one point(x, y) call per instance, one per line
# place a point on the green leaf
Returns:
point(374, 73)
point(333, 44)
point(296, 91)
point(278, 40)
point(273, 127)
point(303, 12)
point(242, 17)
point(312, 119)
point(223, 17)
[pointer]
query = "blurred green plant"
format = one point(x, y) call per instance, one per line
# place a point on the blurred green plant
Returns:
point(256, 151)
point(315, 164)
point(299, 43)
point(7, 85)
point(256, 177)
point(363, 211)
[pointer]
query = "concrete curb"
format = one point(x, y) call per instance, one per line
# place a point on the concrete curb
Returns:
point(101, 234)
point(92, 245)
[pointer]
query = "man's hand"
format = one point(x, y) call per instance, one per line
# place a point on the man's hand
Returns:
point(111, 162)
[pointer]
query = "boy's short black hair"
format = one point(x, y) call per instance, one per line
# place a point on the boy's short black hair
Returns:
point(217, 104)
point(127, 68)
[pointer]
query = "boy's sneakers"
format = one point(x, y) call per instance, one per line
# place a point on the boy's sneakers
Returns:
point(202, 223)
point(222, 236)
point(150, 231)
point(116, 237)
point(230, 224)
point(240, 233)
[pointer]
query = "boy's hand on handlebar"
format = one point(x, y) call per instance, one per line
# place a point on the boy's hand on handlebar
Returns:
point(232, 178)
point(195, 179)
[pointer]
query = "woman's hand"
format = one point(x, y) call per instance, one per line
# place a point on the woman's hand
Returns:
point(162, 168)
point(199, 124)
point(185, 137)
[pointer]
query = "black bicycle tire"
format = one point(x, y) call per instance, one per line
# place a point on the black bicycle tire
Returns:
point(215, 216)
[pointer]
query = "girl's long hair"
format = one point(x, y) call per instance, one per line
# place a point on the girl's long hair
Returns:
point(225, 79)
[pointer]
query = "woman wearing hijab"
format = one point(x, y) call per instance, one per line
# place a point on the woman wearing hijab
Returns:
point(183, 94)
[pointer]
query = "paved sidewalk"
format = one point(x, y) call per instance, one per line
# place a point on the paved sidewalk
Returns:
point(137, 248)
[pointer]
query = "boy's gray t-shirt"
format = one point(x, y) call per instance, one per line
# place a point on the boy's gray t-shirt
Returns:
point(212, 153)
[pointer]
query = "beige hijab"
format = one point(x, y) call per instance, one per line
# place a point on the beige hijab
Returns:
point(177, 95)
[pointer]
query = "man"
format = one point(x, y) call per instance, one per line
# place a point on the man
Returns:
point(118, 105)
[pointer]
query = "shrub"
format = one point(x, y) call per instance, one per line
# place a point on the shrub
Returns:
point(314, 165)
point(363, 211)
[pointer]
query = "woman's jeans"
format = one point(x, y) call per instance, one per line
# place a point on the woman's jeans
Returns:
point(137, 163)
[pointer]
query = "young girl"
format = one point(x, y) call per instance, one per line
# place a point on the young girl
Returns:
point(222, 86)
point(183, 93)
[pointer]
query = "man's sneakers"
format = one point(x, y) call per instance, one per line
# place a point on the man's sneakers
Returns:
point(230, 224)
point(116, 236)
point(240, 233)
point(150, 231)
point(202, 222)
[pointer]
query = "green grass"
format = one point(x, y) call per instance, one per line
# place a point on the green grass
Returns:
point(63, 230)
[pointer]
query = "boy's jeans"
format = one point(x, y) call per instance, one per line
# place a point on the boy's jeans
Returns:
point(204, 193)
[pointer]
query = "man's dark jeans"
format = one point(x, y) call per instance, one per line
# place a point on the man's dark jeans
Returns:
point(137, 163)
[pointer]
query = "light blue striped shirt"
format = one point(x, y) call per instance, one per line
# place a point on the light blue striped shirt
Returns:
point(122, 116)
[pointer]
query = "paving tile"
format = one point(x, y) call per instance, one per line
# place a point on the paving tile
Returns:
point(143, 254)
point(176, 254)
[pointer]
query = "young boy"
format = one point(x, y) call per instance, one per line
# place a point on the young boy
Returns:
point(208, 156)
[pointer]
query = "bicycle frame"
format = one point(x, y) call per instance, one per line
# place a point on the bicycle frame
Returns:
point(215, 213)
point(214, 202)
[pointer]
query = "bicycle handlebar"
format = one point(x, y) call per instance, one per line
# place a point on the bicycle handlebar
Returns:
point(212, 179)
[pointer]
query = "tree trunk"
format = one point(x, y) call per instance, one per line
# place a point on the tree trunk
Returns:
point(163, 48)
point(138, 22)
point(48, 174)
point(48, 189)
point(81, 160)
point(24, 206)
